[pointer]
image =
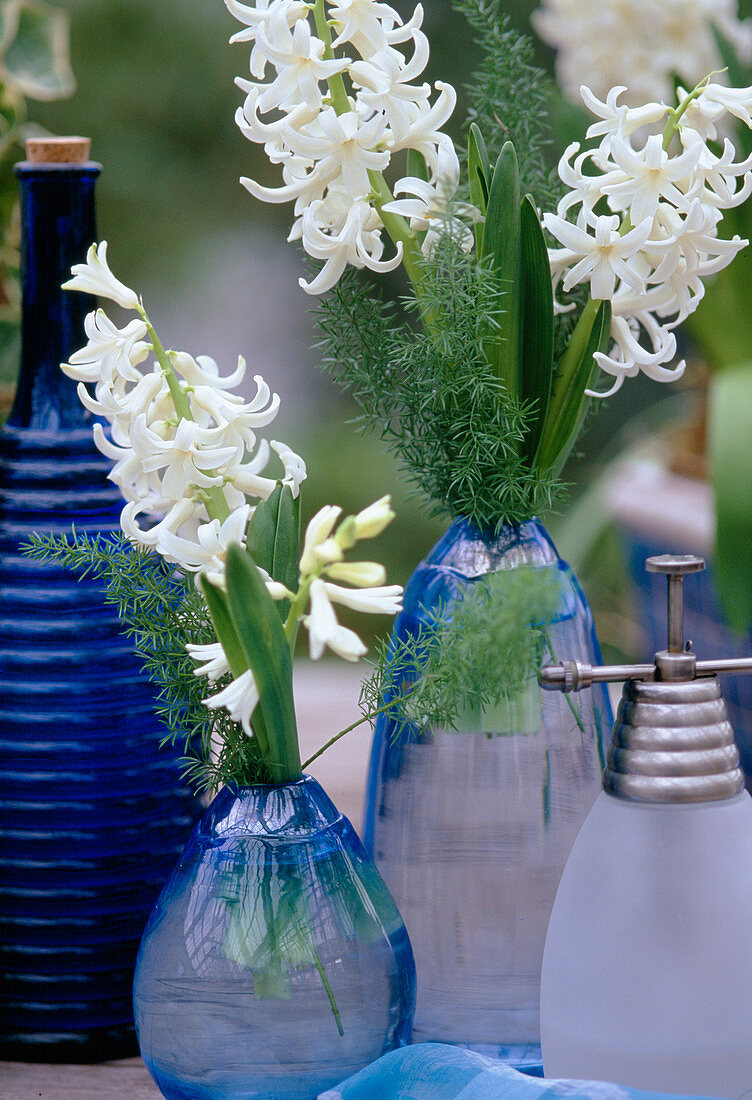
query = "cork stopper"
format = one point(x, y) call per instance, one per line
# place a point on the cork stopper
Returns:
point(58, 150)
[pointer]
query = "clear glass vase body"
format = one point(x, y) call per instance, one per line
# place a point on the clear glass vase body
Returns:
point(471, 830)
point(93, 811)
point(275, 963)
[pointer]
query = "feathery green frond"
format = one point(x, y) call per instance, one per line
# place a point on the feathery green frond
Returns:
point(510, 98)
point(433, 677)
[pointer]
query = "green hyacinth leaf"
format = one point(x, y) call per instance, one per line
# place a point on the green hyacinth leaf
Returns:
point(479, 174)
point(573, 375)
point(261, 534)
point(255, 618)
point(730, 452)
point(501, 246)
point(537, 323)
point(272, 539)
point(34, 49)
point(227, 635)
point(286, 544)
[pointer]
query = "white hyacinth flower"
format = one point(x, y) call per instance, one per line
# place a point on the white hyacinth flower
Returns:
point(364, 23)
point(204, 371)
point(184, 448)
point(342, 234)
point(95, 277)
point(111, 353)
point(361, 574)
point(193, 457)
point(317, 532)
point(181, 537)
point(239, 698)
point(120, 407)
point(371, 521)
point(215, 664)
point(336, 96)
point(384, 600)
point(602, 255)
point(430, 209)
point(325, 632)
point(298, 57)
point(664, 192)
point(322, 562)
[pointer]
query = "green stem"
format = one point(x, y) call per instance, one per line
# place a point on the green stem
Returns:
point(395, 225)
point(398, 229)
point(570, 704)
point(297, 606)
point(675, 116)
point(328, 988)
point(348, 729)
point(336, 83)
point(216, 502)
point(179, 399)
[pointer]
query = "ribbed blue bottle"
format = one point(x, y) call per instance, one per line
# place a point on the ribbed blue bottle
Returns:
point(92, 811)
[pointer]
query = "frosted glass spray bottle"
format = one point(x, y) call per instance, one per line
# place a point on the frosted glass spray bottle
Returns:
point(647, 969)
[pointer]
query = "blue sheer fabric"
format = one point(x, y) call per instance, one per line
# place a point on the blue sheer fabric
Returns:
point(432, 1071)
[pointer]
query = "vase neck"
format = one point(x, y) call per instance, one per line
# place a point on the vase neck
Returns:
point(475, 552)
point(57, 227)
point(293, 811)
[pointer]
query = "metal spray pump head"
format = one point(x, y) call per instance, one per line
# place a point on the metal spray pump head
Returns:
point(672, 741)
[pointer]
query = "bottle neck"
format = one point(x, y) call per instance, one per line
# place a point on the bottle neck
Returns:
point(57, 228)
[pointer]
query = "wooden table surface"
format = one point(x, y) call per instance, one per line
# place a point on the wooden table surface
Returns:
point(126, 1080)
point(326, 696)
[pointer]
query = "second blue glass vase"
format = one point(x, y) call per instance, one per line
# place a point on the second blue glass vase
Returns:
point(471, 829)
point(275, 962)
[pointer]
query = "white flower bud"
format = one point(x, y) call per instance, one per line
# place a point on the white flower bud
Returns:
point(318, 530)
point(363, 574)
point(372, 520)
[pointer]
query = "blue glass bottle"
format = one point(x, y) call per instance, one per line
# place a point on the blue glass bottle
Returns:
point(275, 963)
point(92, 812)
point(471, 829)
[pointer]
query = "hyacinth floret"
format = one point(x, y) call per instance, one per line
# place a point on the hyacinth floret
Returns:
point(334, 95)
point(640, 221)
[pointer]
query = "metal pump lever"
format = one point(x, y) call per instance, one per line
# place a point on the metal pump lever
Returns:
point(675, 663)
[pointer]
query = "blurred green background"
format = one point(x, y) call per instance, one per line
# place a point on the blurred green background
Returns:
point(156, 96)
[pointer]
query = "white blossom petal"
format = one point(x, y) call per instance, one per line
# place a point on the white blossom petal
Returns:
point(95, 277)
point(239, 698)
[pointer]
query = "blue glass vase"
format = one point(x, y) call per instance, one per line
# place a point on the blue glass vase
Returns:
point(92, 812)
point(275, 962)
point(471, 829)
